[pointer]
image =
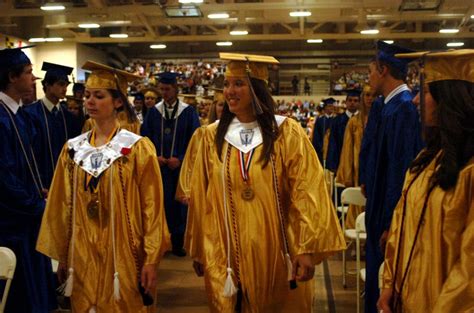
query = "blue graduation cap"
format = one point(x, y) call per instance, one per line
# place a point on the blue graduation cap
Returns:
point(139, 96)
point(168, 78)
point(328, 101)
point(10, 58)
point(56, 72)
point(353, 92)
point(386, 53)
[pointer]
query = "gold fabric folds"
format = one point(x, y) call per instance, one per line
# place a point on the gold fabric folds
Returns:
point(133, 127)
point(312, 226)
point(441, 276)
point(348, 170)
point(93, 257)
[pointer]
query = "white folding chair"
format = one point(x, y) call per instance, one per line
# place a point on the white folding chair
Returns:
point(361, 234)
point(340, 208)
point(354, 196)
point(7, 269)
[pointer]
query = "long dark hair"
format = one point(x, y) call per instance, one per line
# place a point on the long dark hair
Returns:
point(454, 133)
point(127, 107)
point(266, 120)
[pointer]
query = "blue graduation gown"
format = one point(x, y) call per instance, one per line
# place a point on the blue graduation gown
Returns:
point(58, 135)
point(21, 209)
point(187, 123)
point(322, 124)
point(396, 142)
point(338, 126)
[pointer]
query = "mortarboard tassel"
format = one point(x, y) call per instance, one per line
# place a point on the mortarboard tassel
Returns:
point(116, 286)
point(66, 288)
point(229, 287)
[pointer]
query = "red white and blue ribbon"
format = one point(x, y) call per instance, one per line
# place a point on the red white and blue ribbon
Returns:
point(244, 165)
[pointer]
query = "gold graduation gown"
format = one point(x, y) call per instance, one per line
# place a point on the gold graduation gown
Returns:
point(92, 259)
point(441, 276)
point(348, 170)
point(122, 117)
point(311, 223)
point(184, 185)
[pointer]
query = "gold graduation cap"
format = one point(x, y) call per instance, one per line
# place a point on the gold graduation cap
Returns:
point(445, 65)
point(241, 64)
point(106, 77)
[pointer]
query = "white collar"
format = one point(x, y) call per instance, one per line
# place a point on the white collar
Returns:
point(181, 106)
point(11, 104)
point(95, 160)
point(349, 114)
point(247, 136)
point(396, 91)
point(49, 105)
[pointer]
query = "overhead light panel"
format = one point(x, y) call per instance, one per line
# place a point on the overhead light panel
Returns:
point(218, 15)
point(224, 43)
point(449, 30)
point(369, 31)
point(239, 32)
point(89, 25)
point(191, 1)
point(314, 41)
point(389, 41)
point(158, 46)
point(49, 39)
point(36, 40)
point(472, 16)
point(300, 13)
point(118, 35)
point(52, 7)
point(455, 44)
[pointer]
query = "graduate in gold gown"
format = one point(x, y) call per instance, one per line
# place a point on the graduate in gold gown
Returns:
point(104, 220)
point(348, 170)
point(260, 217)
point(429, 259)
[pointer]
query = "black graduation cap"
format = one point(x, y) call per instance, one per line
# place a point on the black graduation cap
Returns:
point(78, 87)
point(56, 72)
point(168, 78)
point(386, 53)
point(9, 58)
point(353, 92)
point(139, 96)
point(329, 101)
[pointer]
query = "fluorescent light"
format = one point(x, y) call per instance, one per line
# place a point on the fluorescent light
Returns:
point(89, 25)
point(472, 16)
point(54, 39)
point(389, 41)
point(224, 43)
point(314, 41)
point(36, 40)
point(369, 31)
point(455, 44)
point(300, 13)
point(218, 15)
point(52, 7)
point(190, 1)
point(119, 22)
point(449, 30)
point(118, 35)
point(239, 32)
point(159, 46)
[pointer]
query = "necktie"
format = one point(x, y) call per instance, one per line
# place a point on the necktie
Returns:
point(55, 111)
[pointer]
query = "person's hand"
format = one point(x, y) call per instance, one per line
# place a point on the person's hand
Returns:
point(303, 267)
point(362, 189)
point(44, 193)
point(148, 278)
point(383, 304)
point(173, 163)
point(162, 160)
point(62, 273)
point(383, 241)
point(198, 268)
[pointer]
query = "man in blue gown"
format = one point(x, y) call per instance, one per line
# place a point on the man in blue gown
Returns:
point(321, 127)
point(170, 125)
point(393, 141)
point(338, 127)
point(53, 121)
point(22, 194)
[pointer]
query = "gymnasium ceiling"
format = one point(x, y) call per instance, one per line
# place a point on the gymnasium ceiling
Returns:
point(270, 27)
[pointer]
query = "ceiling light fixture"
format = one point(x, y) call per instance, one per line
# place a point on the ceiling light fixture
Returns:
point(300, 13)
point(52, 7)
point(218, 15)
point(118, 35)
point(89, 25)
point(54, 39)
point(239, 32)
point(224, 43)
point(455, 44)
point(449, 30)
point(159, 46)
point(389, 41)
point(190, 1)
point(36, 40)
point(314, 41)
point(369, 31)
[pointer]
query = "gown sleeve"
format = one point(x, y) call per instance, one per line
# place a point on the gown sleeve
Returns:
point(312, 217)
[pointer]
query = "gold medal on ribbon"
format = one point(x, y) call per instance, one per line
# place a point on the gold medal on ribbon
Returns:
point(93, 207)
point(247, 194)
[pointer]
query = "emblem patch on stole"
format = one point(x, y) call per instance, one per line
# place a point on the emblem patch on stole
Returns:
point(246, 136)
point(96, 160)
